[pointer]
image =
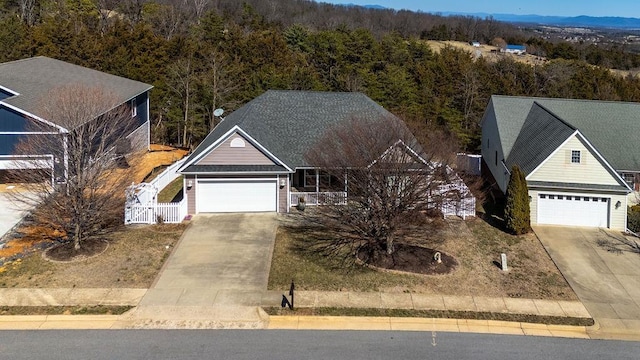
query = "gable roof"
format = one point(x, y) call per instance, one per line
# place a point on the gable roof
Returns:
point(33, 79)
point(287, 122)
point(191, 164)
point(610, 126)
point(541, 134)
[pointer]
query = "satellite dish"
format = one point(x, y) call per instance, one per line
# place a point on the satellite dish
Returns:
point(218, 112)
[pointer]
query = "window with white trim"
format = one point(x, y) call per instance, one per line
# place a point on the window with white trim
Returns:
point(575, 156)
point(134, 108)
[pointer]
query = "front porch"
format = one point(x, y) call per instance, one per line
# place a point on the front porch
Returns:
point(317, 188)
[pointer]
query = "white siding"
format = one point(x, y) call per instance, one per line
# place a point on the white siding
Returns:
point(618, 215)
point(558, 167)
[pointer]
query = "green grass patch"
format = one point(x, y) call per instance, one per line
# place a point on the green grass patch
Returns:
point(491, 238)
point(170, 191)
point(64, 310)
point(438, 314)
point(298, 257)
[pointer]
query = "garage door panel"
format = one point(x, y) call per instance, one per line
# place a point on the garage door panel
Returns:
point(573, 210)
point(237, 196)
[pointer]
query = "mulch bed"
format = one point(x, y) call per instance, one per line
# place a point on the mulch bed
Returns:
point(66, 252)
point(409, 258)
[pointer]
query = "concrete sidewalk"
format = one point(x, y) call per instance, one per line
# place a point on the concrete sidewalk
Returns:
point(70, 297)
point(231, 316)
point(344, 299)
point(381, 300)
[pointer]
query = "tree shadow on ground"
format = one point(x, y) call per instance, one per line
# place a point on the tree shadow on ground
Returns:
point(618, 244)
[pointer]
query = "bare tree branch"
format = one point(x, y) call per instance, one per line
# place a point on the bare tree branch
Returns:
point(87, 161)
point(394, 184)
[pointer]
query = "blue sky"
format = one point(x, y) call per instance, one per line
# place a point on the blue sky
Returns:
point(625, 8)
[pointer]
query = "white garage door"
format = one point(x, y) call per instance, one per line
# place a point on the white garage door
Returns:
point(236, 195)
point(573, 210)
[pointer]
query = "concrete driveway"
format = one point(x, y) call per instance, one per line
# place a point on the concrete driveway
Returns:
point(607, 283)
point(215, 277)
point(10, 215)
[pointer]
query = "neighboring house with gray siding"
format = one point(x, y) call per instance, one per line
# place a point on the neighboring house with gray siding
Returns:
point(254, 159)
point(24, 84)
point(581, 158)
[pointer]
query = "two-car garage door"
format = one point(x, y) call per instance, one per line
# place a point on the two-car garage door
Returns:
point(237, 195)
point(573, 210)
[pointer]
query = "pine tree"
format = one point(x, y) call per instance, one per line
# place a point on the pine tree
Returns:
point(517, 213)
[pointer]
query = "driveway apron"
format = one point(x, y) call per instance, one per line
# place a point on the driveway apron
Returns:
point(216, 277)
point(607, 283)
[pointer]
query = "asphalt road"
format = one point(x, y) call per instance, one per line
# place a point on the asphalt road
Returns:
point(282, 345)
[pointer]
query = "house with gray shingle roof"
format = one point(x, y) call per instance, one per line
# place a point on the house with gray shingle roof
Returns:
point(581, 158)
point(24, 86)
point(254, 160)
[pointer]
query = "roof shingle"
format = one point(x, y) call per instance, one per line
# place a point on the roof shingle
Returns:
point(287, 123)
point(610, 126)
point(34, 78)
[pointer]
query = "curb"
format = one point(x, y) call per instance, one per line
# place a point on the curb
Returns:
point(425, 324)
point(49, 322)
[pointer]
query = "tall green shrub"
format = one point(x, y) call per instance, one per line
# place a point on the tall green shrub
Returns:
point(517, 213)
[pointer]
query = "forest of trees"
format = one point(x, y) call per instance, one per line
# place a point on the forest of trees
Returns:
point(205, 54)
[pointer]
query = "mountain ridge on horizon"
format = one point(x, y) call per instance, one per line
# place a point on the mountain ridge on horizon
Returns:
point(614, 22)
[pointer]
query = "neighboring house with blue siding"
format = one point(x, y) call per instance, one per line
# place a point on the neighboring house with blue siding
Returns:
point(24, 86)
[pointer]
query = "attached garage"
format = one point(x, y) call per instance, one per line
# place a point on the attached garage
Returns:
point(574, 210)
point(237, 195)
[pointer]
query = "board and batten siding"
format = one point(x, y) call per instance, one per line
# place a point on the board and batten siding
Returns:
point(226, 154)
point(558, 167)
point(617, 217)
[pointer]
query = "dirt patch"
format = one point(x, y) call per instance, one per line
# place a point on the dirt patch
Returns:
point(66, 251)
point(146, 165)
point(132, 260)
point(409, 258)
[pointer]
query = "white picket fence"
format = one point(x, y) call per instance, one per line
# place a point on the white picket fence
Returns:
point(168, 175)
point(156, 213)
point(143, 208)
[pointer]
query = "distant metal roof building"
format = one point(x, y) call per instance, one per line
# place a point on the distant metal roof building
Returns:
point(24, 84)
point(515, 48)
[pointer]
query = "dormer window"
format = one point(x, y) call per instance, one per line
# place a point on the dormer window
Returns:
point(575, 157)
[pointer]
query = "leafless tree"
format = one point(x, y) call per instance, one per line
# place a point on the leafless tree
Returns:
point(81, 190)
point(28, 11)
point(217, 84)
point(181, 77)
point(199, 7)
point(393, 183)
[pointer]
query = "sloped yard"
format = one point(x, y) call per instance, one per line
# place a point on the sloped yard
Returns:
point(475, 244)
point(132, 259)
